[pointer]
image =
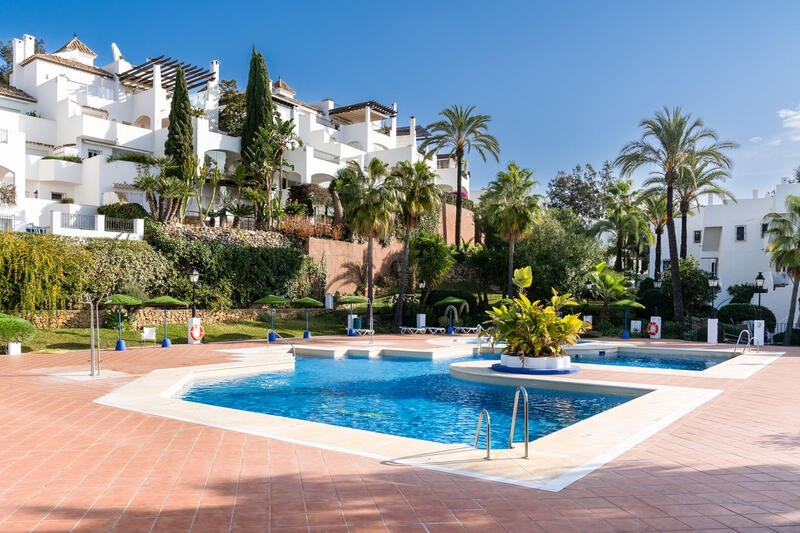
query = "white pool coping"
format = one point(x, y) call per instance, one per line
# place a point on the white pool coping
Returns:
point(556, 460)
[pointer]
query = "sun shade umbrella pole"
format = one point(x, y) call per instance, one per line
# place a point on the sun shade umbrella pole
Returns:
point(306, 333)
point(166, 342)
point(271, 301)
point(120, 343)
point(272, 337)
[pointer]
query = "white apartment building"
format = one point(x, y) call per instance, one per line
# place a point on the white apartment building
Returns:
point(729, 240)
point(61, 104)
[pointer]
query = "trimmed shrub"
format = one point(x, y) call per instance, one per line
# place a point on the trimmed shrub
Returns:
point(739, 313)
point(15, 329)
point(124, 211)
point(793, 341)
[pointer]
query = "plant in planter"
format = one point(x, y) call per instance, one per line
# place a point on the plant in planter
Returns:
point(535, 333)
point(13, 332)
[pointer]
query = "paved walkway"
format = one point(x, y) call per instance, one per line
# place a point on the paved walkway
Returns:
point(67, 464)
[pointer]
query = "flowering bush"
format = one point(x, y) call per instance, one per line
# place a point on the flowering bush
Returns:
point(303, 227)
point(531, 329)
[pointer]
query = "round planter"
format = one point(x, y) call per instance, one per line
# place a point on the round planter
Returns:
point(535, 365)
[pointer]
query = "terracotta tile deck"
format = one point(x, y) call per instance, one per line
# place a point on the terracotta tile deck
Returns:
point(67, 464)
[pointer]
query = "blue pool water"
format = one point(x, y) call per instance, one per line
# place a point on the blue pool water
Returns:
point(673, 361)
point(405, 397)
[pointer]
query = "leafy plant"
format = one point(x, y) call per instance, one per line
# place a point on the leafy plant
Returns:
point(738, 313)
point(127, 211)
point(531, 329)
point(68, 158)
point(15, 329)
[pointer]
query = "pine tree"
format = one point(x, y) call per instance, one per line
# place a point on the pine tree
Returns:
point(258, 103)
point(180, 135)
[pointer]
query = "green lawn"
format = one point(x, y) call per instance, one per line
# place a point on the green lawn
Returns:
point(65, 339)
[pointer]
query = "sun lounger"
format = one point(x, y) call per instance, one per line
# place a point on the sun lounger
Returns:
point(466, 329)
point(435, 331)
point(362, 332)
point(410, 330)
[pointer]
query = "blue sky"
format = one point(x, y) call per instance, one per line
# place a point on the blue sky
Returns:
point(565, 82)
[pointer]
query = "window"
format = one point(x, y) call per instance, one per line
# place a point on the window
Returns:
point(57, 196)
point(443, 163)
point(739, 233)
point(698, 236)
point(93, 153)
point(764, 228)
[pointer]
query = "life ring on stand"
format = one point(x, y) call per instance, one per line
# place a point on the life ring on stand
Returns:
point(652, 328)
point(197, 333)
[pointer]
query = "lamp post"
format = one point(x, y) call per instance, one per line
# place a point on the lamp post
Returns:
point(658, 281)
point(760, 285)
point(194, 277)
point(713, 282)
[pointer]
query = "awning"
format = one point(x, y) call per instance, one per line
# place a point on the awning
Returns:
point(711, 238)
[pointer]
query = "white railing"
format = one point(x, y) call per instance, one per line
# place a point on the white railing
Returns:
point(325, 156)
point(118, 225)
point(6, 222)
point(77, 221)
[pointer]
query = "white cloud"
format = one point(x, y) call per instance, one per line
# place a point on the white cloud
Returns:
point(774, 142)
point(791, 122)
point(755, 140)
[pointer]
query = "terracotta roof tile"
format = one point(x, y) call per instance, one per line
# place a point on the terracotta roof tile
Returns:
point(13, 92)
point(76, 44)
point(280, 84)
point(69, 63)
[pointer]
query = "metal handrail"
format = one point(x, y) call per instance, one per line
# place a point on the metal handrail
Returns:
point(738, 340)
point(488, 433)
point(514, 418)
point(278, 335)
point(478, 337)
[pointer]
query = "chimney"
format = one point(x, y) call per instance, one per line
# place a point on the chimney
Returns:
point(29, 45)
point(394, 119)
point(755, 194)
point(412, 130)
point(214, 71)
point(157, 76)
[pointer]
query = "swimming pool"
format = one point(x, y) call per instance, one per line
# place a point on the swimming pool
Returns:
point(670, 361)
point(407, 397)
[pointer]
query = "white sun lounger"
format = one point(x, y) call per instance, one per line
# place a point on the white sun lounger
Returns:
point(465, 329)
point(410, 330)
point(435, 331)
point(362, 332)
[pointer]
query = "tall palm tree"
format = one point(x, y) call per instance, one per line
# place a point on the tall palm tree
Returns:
point(623, 218)
point(284, 139)
point(460, 131)
point(512, 208)
point(370, 202)
point(654, 207)
point(418, 194)
point(697, 178)
point(667, 140)
point(784, 250)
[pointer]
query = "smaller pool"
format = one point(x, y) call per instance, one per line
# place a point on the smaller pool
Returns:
point(671, 361)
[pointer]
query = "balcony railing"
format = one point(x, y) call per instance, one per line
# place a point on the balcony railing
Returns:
point(119, 225)
point(325, 156)
point(75, 221)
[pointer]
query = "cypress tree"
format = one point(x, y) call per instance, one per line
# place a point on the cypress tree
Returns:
point(180, 135)
point(258, 102)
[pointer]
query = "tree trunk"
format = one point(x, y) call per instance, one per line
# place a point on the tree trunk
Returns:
point(677, 288)
point(369, 275)
point(511, 267)
point(398, 310)
point(152, 204)
point(618, 258)
point(787, 337)
point(684, 220)
point(459, 158)
point(337, 207)
point(658, 250)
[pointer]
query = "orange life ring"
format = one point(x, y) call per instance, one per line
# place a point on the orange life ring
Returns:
point(197, 333)
point(652, 328)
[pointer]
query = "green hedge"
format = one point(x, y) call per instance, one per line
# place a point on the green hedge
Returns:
point(15, 329)
point(742, 312)
point(124, 211)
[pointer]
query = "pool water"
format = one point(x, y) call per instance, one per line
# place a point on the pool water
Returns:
point(414, 398)
point(672, 361)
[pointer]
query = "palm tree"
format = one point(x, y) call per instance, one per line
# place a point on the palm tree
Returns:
point(334, 187)
point(607, 286)
point(370, 202)
point(284, 139)
point(623, 218)
point(460, 131)
point(512, 208)
point(697, 178)
point(149, 185)
point(418, 194)
point(654, 207)
point(667, 141)
point(784, 250)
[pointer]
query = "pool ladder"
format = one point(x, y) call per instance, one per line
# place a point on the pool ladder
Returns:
point(485, 413)
point(479, 338)
point(280, 337)
point(750, 341)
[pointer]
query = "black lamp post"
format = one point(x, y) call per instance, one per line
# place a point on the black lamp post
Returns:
point(658, 281)
point(713, 282)
point(760, 285)
point(194, 276)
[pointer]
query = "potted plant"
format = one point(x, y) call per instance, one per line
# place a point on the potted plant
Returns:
point(13, 332)
point(535, 334)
